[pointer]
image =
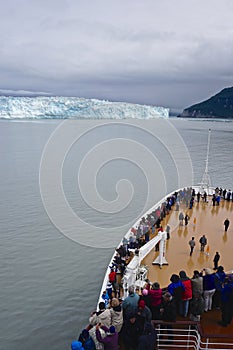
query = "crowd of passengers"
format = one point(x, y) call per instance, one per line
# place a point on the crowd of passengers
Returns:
point(130, 319)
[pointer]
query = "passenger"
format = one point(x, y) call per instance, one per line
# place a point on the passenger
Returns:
point(219, 278)
point(92, 332)
point(216, 260)
point(130, 303)
point(146, 297)
point(105, 298)
point(116, 314)
point(181, 218)
point(168, 230)
point(192, 244)
point(203, 242)
point(186, 294)
point(131, 331)
point(176, 288)
point(110, 341)
point(86, 340)
point(144, 311)
point(227, 302)
point(112, 279)
point(226, 224)
point(208, 288)
point(186, 219)
point(102, 316)
point(155, 300)
point(168, 312)
point(197, 306)
point(147, 341)
point(197, 282)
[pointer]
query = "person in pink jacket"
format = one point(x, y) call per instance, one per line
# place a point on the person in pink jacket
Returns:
point(187, 294)
point(155, 294)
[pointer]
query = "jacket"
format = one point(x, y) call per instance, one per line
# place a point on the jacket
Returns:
point(117, 317)
point(187, 293)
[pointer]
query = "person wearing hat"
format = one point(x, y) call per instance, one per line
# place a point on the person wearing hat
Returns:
point(76, 345)
point(144, 311)
point(116, 314)
point(102, 316)
point(110, 341)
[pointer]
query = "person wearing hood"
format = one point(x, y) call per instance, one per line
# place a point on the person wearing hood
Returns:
point(130, 303)
point(102, 316)
point(116, 314)
point(110, 341)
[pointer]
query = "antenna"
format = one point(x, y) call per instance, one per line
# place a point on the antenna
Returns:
point(206, 182)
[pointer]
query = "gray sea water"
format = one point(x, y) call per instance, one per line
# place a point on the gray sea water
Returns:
point(49, 282)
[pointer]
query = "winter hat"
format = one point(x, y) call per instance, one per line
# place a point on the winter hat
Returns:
point(112, 329)
point(141, 304)
point(101, 305)
point(75, 345)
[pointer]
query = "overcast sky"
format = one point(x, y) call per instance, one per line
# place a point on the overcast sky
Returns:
point(171, 53)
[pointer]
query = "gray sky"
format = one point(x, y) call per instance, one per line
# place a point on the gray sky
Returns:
point(172, 53)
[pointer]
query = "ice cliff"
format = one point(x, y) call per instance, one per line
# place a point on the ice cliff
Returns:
point(74, 108)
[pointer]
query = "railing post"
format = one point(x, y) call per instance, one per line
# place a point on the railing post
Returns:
point(207, 343)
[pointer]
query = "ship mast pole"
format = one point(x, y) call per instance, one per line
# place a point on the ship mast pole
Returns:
point(206, 182)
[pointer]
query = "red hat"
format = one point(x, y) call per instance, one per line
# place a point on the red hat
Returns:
point(141, 304)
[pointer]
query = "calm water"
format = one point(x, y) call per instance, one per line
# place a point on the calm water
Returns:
point(50, 283)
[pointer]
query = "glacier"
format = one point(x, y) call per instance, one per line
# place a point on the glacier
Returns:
point(58, 107)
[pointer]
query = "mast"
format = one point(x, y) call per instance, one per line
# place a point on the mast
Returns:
point(206, 182)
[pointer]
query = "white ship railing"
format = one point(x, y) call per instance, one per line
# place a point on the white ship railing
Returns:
point(188, 335)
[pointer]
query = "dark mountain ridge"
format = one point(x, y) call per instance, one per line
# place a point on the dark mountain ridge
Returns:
point(217, 106)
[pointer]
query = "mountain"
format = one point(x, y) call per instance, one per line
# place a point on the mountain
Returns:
point(217, 106)
point(55, 107)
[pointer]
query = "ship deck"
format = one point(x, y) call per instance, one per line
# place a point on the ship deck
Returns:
point(204, 219)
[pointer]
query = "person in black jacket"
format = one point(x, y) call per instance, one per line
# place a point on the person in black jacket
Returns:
point(168, 312)
point(132, 329)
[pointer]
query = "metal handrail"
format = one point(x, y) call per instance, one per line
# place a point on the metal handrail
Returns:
point(189, 335)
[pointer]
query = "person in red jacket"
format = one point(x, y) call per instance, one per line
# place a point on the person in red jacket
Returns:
point(155, 295)
point(112, 280)
point(187, 294)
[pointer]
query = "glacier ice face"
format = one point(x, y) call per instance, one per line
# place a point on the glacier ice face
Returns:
point(74, 108)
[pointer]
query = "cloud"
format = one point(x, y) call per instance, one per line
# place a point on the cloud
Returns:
point(146, 52)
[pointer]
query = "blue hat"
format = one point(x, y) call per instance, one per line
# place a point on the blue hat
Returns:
point(112, 329)
point(75, 345)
